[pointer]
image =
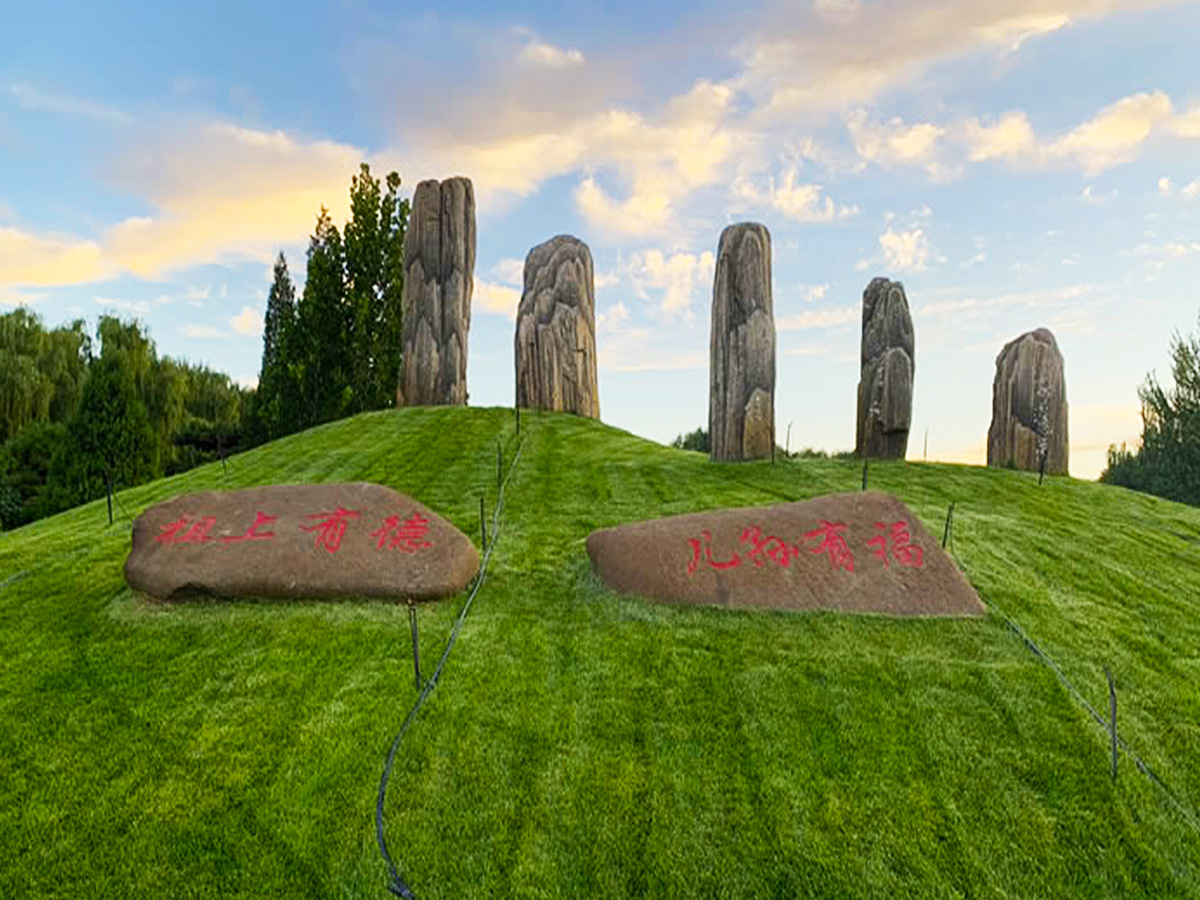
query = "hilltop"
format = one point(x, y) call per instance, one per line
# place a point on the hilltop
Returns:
point(586, 744)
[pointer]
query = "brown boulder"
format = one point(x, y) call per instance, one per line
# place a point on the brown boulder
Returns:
point(741, 395)
point(863, 552)
point(301, 541)
point(439, 267)
point(885, 387)
point(555, 342)
point(1029, 406)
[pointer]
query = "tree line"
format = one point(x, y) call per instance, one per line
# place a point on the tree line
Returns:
point(75, 420)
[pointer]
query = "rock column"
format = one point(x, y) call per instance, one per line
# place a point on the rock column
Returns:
point(1029, 406)
point(885, 386)
point(555, 344)
point(741, 399)
point(439, 266)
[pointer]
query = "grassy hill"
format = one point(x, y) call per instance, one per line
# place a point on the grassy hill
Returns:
point(583, 744)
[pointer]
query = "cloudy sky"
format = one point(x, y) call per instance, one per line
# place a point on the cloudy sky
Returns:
point(1014, 163)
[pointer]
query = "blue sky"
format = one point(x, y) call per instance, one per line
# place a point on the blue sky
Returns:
point(1014, 164)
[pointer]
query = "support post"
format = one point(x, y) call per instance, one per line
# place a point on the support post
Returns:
point(1112, 717)
point(412, 620)
point(949, 520)
point(787, 446)
point(864, 483)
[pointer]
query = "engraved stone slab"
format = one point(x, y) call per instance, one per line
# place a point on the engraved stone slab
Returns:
point(301, 541)
point(863, 552)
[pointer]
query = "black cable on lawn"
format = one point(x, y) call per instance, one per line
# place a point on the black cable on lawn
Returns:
point(396, 884)
point(1138, 762)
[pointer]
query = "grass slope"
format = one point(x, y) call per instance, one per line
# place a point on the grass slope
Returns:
point(583, 744)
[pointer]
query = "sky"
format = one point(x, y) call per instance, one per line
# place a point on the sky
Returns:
point(1015, 164)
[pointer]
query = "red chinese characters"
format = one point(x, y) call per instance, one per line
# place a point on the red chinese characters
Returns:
point(904, 551)
point(260, 518)
point(834, 544)
point(407, 535)
point(769, 547)
point(732, 563)
point(333, 527)
point(197, 533)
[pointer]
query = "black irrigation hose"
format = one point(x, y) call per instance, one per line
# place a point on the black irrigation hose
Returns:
point(396, 884)
point(1138, 762)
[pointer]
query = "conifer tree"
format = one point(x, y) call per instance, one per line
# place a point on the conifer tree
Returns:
point(276, 397)
point(324, 327)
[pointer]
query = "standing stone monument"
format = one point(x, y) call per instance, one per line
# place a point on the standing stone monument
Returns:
point(555, 343)
point(439, 265)
point(741, 397)
point(1029, 405)
point(885, 386)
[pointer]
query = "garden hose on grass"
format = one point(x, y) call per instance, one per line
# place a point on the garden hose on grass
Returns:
point(396, 884)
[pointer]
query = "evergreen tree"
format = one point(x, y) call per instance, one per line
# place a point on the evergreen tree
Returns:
point(324, 327)
point(275, 398)
point(1168, 462)
point(389, 334)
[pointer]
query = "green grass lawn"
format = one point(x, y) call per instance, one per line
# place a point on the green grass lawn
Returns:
point(583, 744)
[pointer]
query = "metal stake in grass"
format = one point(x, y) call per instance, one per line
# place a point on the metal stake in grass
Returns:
point(949, 519)
point(787, 446)
point(412, 620)
point(864, 484)
point(1112, 717)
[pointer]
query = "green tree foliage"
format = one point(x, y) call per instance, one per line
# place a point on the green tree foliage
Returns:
point(1167, 463)
point(374, 246)
point(41, 372)
point(109, 437)
point(323, 329)
point(25, 472)
point(214, 419)
point(697, 440)
point(276, 405)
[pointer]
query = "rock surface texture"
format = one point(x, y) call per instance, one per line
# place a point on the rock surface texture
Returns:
point(1029, 405)
point(741, 397)
point(885, 386)
point(299, 541)
point(439, 266)
point(863, 552)
point(555, 343)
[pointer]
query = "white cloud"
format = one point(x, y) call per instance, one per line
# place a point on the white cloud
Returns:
point(547, 56)
point(896, 143)
point(15, 298)
point(510, 270)
point(612, 317)
point(674, 277)
point(250, 382)
point(819, 318)
point(1010, 138)
point(606, 279)
point(798, 202)
point(1089, 195)
point(812, 292)
point(32, 259)
point(496, 298)
point(1191, 190)
point(1164, 186)
point(203, 331)
point(641, 215)
point(249, 321)
point(905, 251)
point(31, 98)
point(1114, 135)
point(130, 306)
point(1187, 124)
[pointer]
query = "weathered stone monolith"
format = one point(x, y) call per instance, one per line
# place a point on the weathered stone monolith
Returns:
point(555, 343)
point(439, 266)
point(741, 397)
point(1029, 406)
point(885, 386)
